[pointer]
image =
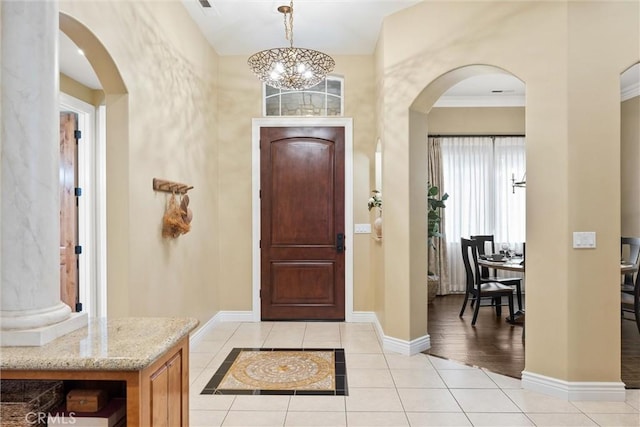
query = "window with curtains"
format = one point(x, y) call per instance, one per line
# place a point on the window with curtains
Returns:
point(477, 174)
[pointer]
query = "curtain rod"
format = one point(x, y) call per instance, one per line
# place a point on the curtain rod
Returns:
point(474, 136)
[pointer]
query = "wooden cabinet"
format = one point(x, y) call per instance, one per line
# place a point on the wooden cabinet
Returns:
point(157, 395)
point(166, 390)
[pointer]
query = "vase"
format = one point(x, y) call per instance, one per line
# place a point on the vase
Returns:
point(433, 282)
point(377, 225)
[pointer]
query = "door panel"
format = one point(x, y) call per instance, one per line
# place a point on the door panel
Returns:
point(310, 279)
point(68, 210)
point(302, 214)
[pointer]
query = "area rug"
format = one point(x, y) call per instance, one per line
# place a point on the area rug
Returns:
point(281, 371)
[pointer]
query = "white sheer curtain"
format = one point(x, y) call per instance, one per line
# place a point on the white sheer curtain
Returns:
point(477, 175)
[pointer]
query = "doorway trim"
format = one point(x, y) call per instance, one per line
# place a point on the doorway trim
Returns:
point(347, 124)
point(89, 236)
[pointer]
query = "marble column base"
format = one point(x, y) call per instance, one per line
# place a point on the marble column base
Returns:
point(32, 319)
point(43, 335)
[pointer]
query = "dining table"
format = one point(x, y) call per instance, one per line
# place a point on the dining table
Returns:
point(509, 264)
point(516, 264)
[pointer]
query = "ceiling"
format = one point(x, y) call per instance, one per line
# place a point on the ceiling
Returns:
point(243, 27)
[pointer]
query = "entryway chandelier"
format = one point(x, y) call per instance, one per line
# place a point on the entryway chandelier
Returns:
point(290, 67)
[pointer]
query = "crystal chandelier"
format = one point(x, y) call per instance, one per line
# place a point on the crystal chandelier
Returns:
point(290, 67)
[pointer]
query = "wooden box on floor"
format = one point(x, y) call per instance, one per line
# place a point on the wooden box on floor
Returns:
point(81, 400)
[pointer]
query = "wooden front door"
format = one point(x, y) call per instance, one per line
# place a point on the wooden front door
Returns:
point(302, 223)
point(68, 210)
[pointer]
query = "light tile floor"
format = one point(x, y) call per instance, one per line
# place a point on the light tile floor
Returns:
point(385, 389)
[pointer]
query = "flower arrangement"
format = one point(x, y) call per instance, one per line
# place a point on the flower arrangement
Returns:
point(375, 201)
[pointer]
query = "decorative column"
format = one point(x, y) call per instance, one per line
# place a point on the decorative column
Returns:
point(31, 312)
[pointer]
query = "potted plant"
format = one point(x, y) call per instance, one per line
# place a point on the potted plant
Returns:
point(434, 219)
point(375, 201)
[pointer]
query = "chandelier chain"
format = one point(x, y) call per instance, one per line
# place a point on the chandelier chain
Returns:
point(288, 24)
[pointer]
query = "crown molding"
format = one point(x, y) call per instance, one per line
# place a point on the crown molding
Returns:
point(626, 93)
point(480, 101)
point(630, 91)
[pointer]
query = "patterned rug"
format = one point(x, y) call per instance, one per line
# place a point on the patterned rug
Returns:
point(281, 371)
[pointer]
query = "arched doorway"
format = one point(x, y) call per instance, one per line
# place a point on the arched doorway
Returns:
point(111, 141)
point(489, 119)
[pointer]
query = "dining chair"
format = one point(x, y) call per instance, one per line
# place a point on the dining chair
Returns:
point(629, 253)
point(477, 290)
point(630, 302)
point(487, 275)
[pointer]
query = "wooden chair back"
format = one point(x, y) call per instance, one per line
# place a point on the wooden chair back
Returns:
point(470, 261)
point(630, 252)
point(482, 240)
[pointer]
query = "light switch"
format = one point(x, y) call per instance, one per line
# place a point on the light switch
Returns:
point(363, 229)
point(584, 239)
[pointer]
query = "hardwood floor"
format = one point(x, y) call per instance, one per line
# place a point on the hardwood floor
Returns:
point(498, 346)
point(630, 354)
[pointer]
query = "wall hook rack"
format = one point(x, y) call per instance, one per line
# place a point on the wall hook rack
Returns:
point(170, 186)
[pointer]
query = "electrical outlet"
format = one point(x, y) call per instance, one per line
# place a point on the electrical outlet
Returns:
point(363, 229)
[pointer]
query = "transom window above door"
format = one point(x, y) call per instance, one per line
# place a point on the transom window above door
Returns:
point(324, 99)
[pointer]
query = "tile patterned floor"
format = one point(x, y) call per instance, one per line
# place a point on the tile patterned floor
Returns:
point(281, 371)
point(385, 389)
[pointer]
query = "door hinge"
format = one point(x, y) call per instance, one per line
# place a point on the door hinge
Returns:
point(260, 194)
point(260, 293)
point(78, 249)
point(77, 191)
point(260, 244)
point(78, 307)
point(77, 134)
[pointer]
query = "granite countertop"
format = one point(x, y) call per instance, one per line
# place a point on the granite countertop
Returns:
point(123, 344)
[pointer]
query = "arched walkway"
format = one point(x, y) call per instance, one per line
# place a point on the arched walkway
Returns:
point(116, 161)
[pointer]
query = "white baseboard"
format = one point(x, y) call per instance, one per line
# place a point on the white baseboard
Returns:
point(235, 316)
point(196, 337)
point(407, 348)
point(396, 345)
point(219, 317)
point(364, 317)
point(574, 390)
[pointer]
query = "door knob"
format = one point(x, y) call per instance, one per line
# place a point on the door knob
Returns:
point(340, 242)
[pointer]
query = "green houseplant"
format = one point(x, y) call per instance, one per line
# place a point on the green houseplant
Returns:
point(434, 219)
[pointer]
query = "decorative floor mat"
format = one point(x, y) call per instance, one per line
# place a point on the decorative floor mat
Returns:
point(281, 371)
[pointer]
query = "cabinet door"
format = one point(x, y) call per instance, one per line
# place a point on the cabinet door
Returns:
point(159, 398)
point(174, 391)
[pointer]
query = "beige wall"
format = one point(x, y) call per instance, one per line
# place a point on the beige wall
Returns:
point(477, 121)
point(165, 127)
point(576, 59)
point(187, 116)
point(630, 167)
point(79, 91)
